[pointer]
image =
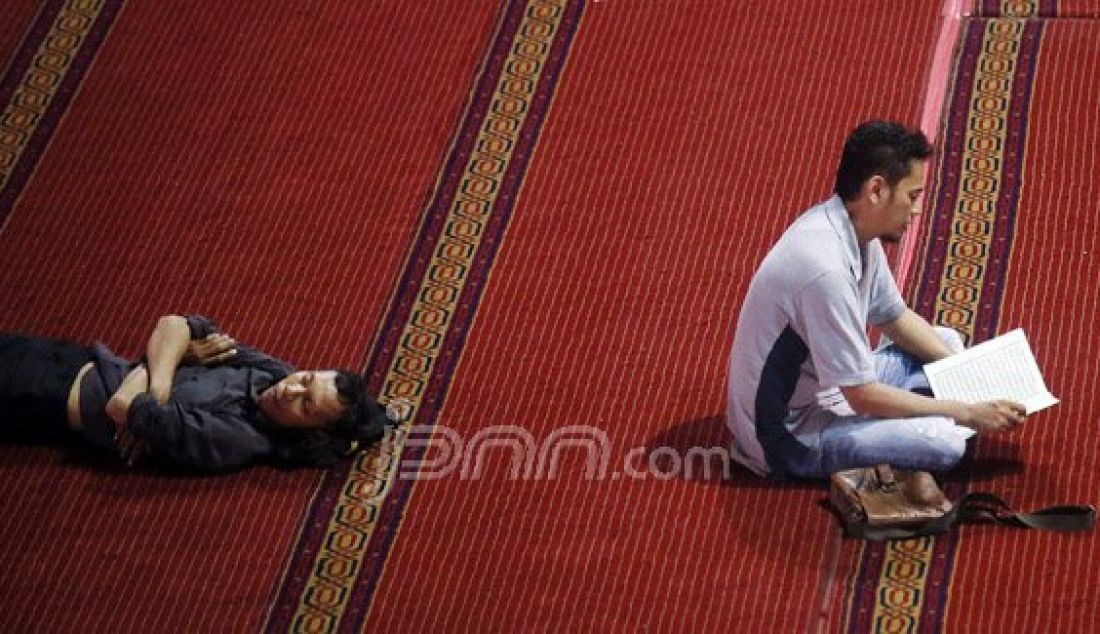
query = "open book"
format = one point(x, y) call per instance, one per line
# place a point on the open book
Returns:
point(1001, 368)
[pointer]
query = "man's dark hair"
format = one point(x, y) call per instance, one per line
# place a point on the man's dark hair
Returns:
point(884, 148)
point(363, 424)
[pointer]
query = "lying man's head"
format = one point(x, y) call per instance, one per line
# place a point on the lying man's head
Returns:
point(310, 399)
point(320, 415)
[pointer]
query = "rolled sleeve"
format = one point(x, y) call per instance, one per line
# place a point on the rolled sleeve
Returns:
point(828, 309)
point(886, 314)
point(195, 438)
point(246, 356)
point(201, 326)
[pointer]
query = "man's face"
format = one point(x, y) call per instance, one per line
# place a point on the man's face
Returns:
point(901, 204)
point(303, 400)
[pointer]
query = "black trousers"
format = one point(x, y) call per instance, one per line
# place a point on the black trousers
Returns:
point(36, 376)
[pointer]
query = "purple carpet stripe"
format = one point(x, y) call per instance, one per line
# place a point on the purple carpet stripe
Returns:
point(451, 174)
point(423, 247)
point(946, 548)
point(59, 103)
point(862, 603)
point(950, 172)
point(947, 182)
point(429, 233)
point(1011, 173)
point(390, 521)
point(381, 355)
point(948, 175)
point(1033, 8)
point(23, 57)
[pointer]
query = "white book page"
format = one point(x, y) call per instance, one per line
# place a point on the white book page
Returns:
point(1001, 368)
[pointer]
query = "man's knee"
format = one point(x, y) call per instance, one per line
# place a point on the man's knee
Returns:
point(929, 444)
point(945, 454)
point(951, 338)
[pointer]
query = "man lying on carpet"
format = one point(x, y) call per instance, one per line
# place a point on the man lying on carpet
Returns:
point(199, 401)
point(807, 396)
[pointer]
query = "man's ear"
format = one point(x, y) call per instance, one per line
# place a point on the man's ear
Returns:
point(875, 189)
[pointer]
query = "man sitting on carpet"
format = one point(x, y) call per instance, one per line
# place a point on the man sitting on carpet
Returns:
point(807, 397)
point(199, 401)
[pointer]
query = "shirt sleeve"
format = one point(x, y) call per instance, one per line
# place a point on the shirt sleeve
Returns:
point(886, 303)
point(246, 357)
point(828, 316)
point(194, 437)
point(201, 326)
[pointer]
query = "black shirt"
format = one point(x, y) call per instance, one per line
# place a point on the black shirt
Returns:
point(211, 421)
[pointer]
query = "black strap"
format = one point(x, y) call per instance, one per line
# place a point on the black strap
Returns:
point(1063, 518)
point(989, 507)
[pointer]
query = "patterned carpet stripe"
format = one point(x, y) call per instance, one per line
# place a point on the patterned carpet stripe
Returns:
point(978, 181)
point(40, 81)
point(1051, 292)
point(448, 267)
point(242, 192)
point(611, 306)
point(19, 15)
point(1037, 8)
point(1015, 8)
point(968, 241)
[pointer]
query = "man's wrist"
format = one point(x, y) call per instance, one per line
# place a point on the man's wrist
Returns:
point(159, 391)
point(940, 354)
point(958, 411)
point(118, 410)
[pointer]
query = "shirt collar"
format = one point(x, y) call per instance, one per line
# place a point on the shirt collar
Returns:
point(258, 381)
point(837, 214)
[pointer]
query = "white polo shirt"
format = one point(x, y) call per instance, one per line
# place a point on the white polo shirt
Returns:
point(803, 330)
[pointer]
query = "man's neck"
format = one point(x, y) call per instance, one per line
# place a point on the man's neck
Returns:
point(857, 214)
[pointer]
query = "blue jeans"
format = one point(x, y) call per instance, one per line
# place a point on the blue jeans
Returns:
point(929, 443)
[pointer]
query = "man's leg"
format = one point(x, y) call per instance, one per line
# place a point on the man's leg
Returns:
point(35, 378)
point(900, 369)
point(929, 443)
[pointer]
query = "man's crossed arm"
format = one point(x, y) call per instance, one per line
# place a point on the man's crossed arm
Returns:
point(914, 335)
point(168, 345)
point(171, 343)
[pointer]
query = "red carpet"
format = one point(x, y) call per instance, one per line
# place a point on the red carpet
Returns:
point(18, 15)
point(1009, 244)
point(238, 160)
point(1051, 292)
point(536, 218)
point(681, 141)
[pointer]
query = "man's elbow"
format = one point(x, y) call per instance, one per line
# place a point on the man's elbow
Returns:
point(171, 328)
point(171, 321)
point(892, 328)
point(860, 397)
